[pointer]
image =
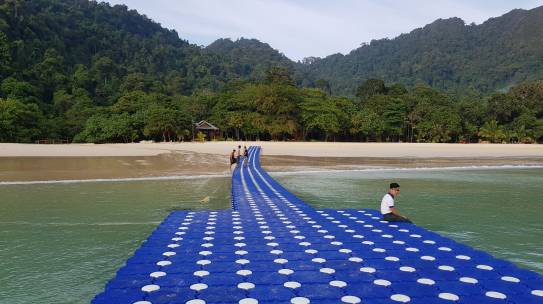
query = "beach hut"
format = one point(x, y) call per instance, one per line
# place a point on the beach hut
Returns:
point(207, 128)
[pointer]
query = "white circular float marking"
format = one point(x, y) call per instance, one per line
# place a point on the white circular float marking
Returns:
point(400, 298)
point(318, 260)
point(280, 261)
point(142, 302)
point(392, 259)
point(446, 268)
point(205, 253)
point(429, 242)
point(379, 250)
point(246, 285)
point(427, 258)
point(495, 295)
point(299, 300)
point(241, 252)
point(198, 286)
point(164, 263)
point(276, 251)
point(356, 259)
point(157, 274)
point(345, 250)
point(444, 249)
point(196, 301)
point(485, 267)
point(201, 273)
point(463, 257)
point(339, 284)
point(537, 292)
point(367, 269)
point(244, 272)
point(412, 249)
point(510, 279)
point(248, 301)
point(203, 262)
point(169, 253)
point(381, 282)
point(448, 296)
point(311, 251)
point(243, 261)
point(327, 270)
point(292, 284)
point(173, 245)
point(469, 280)
point(351, 299)
point(399, 242)
point(407, 269)
point(426, 281)
point(285, 271)
point(150, 288)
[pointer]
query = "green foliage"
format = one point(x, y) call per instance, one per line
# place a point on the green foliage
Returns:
point(371, 88)
point(492, 132)
point(19, 122)
point(201, 137)
point(90, 72)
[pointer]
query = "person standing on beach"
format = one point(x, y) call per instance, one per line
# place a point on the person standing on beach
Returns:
point(245, 156)
point(388, 209)
point(232, 158)
point(239, 155)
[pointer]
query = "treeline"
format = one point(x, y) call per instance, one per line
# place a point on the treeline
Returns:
point(275, 109)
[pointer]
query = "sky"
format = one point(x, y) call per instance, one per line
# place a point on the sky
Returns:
point(304, 28)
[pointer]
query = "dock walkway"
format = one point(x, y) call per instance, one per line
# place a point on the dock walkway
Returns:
point(271, 247)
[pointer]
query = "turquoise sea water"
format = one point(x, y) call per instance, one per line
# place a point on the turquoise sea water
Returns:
point(60, 243)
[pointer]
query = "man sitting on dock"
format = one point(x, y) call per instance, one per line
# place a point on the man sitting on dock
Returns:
point(389, 211)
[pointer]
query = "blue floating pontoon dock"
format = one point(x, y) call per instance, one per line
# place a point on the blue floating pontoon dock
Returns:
point(274, 248)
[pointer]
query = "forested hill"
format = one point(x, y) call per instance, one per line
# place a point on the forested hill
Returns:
point(446, 54)
point(249, 58)
point(91, 72)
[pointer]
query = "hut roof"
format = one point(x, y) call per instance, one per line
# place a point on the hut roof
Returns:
point(204, 125)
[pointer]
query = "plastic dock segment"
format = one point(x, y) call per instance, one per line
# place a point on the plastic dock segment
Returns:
point(273, 248)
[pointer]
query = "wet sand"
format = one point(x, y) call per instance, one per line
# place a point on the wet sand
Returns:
point(179, 163)
point(111, 167)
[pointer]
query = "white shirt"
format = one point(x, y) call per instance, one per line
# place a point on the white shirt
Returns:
point(386, 203)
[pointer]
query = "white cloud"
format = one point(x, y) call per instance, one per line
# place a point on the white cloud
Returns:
point(302, 28)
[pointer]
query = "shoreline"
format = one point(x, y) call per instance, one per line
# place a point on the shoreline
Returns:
point(33, 163)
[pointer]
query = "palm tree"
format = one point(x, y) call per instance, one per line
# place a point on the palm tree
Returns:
point(492, 131)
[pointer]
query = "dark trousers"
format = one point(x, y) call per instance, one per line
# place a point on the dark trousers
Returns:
point(391, 217)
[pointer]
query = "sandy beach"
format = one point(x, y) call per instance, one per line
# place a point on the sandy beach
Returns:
point(31, 162)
